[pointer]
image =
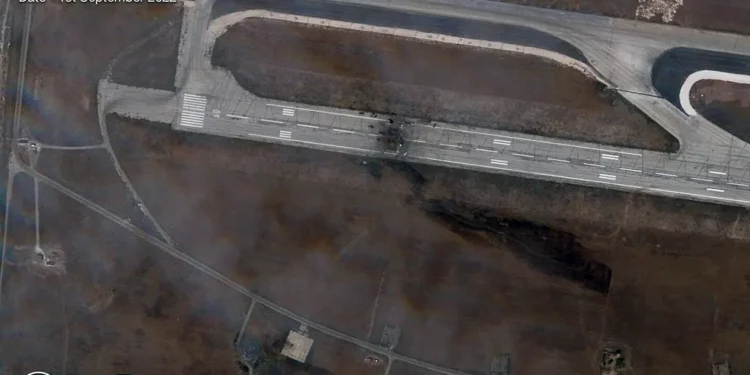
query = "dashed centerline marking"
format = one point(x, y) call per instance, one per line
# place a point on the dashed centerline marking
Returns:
point(326, 112)
point(486, 150)
point(715, 190)
point(717, 173)
point(271, 121)
point(523, 155)
point(738, 184)
point(607, 177)
point(343, 131)
point(665, 174)
point(307, 126)
point(595, 165)
point(448, 145)
point(701, 179)
point(631, 170)
point(559, 160)
point(238, 117)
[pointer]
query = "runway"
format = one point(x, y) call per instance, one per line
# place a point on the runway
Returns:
point(711, 165)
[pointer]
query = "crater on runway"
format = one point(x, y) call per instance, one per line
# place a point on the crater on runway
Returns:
point(725, 104)
point(455, 84)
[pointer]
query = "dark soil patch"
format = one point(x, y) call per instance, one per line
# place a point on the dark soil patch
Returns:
point(725, 104)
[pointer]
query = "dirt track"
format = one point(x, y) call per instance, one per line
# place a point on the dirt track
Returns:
point(388, 75)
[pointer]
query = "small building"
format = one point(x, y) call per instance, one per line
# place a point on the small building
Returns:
point(297, 346)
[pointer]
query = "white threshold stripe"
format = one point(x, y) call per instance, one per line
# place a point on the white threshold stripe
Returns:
point(498, 162)
point(523, 155)
point(191, 104)
point(701, 179)
point(501, 142)
point(192, 116)
point(273, 121)
point(326, 112)
point(538, 174)
point(715, 190)
point(559, 160)
point(610, 157)
point(665, 174)
point(307, 126)
point(738, 184)
point(194, 102)
point(533, 140)
point(594, 165)
point(631, 170)
point(486, 150)
point(315, 143)
point(607, 177)
point(717, 173)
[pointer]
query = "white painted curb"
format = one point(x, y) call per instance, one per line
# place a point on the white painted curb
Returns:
point(703, 75)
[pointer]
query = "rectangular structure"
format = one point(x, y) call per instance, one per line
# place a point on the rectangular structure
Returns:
point(297, 346)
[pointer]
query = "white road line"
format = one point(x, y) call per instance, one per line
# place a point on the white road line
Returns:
point(715, 190)
point(631, 170)
point(665, 174)
point(717, 173)
point(315, 143)
point(550, 175)
point(498, 162)
point(307, 126)
point(486, 150)
point(595, 165)
point(700, 195)
point(273, 121)
point(287, 112)
point(533, 140)
point(738, 184)
point(607, 177)
point(701, 179)
point(523, 155)
point(448, 145)
point(285, 134)
point(610, 157)
point(326, 112)
point(343, 131)
point(238, 117)
point(418, 141)
point(559, 160)
point(501, 142)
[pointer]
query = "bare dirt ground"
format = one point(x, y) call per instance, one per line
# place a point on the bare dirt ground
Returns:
point(326, 236)
point(389, 75)
point(121, 306)
point(720, 15)
point(70, 50)
point(725, 104)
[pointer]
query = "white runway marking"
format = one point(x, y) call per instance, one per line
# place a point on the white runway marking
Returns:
point(486, 150)
point(559, 160)
point(595, 165)
point(316, 143)
point(238, 117)
point(498, 162)
point(717, 173)
point(532, 140)
point(343, 131)
point(326, 112)
point(193, 111)
point(665, 174)
point(631, 170)
point(287, 112)
point(715, 190)
point(285, 134)
point(448, 145)
point(523, 155)
point(610, 157)
point(272, 121)
point(418, 141)
point(738, 184)
point(701, 179)
point(501, 142)
point(307, 126)
point(607, 177)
